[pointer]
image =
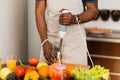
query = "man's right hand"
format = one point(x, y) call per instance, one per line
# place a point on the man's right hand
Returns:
point(49, 52)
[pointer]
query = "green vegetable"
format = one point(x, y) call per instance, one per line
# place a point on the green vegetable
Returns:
point(95, 73)
point(43, 78)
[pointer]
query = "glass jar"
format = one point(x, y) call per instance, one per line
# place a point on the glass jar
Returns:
point(62, 73)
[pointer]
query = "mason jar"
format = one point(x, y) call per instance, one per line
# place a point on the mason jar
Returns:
point(62, 73)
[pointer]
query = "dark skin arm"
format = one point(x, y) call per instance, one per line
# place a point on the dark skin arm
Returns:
point(42, 29)
point(88, 15)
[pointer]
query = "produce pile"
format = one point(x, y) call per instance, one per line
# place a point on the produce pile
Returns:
point(36, 70)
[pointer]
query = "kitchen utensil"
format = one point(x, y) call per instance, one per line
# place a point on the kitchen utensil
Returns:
point(62, 32)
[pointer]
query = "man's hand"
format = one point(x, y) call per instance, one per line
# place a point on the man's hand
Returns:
point(49, 52)
point(67, 19)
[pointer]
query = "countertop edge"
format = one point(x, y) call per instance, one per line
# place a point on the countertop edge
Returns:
point(103, 39)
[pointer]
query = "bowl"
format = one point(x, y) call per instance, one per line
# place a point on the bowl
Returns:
point(115, 15)
point(104, 14)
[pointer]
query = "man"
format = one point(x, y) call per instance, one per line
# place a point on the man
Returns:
point(74, 42)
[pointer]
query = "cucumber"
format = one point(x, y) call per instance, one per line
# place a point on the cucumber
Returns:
point(43, 78)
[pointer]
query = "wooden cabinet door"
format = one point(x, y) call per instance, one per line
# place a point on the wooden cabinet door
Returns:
point(106, 54)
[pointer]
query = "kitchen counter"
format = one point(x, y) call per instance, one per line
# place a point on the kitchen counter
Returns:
point(103, 39)
point(109, 37)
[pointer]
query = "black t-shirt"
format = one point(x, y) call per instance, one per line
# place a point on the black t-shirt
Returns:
point(88, 1)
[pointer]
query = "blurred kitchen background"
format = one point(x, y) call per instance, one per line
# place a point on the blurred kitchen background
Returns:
point(13, 29)
point(19, 36)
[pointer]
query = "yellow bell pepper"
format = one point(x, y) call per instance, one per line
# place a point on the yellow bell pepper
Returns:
point(32, 75)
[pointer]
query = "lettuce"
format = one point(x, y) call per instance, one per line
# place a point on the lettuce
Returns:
point(95, 73)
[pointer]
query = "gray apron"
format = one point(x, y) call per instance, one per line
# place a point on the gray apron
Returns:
point(74, 46)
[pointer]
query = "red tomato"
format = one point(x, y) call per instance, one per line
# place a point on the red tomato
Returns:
point(33, 61)
point(31, 68)
point(55, 78)
point(19, 70)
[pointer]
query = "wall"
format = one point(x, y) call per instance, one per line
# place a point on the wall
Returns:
point(110, 24)
point(13, 29)
point(33, 37)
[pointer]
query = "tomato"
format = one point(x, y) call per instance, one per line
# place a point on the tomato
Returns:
point(30, 68)
point(55, 78)
point(19, 70)
point(33, 61)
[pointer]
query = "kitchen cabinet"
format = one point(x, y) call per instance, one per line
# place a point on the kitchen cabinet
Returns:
point(106, 52)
